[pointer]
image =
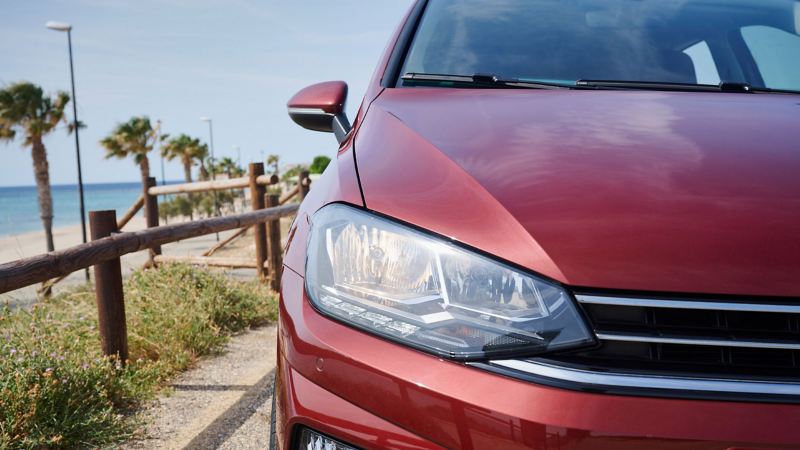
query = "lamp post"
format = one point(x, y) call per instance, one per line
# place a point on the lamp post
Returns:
point(210, 138)
point(213, 171)
point(59, 26)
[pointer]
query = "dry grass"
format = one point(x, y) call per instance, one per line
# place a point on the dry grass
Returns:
point(57, 391)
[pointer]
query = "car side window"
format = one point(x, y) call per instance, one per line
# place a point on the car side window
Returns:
point(777, 55)
point(705, 68)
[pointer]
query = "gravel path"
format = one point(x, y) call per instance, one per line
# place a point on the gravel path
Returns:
point(223, 403)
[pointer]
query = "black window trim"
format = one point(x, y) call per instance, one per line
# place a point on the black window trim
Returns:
point(391, 75)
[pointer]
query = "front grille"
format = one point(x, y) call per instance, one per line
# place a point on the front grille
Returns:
point(698, 338)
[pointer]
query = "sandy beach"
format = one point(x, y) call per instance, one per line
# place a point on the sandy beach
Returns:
point(29, 244)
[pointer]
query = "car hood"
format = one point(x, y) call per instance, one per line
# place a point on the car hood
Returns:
point(631, 190)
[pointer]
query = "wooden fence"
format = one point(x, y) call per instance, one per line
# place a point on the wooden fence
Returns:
point(108, 244)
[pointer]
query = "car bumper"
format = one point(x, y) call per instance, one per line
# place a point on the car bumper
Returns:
point(371, 393)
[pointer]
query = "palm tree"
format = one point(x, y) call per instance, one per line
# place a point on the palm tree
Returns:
point(135, 138)
point(212, 166)
point(272, 160)
point(187, 149)
point(25, 108)
point(228, 165)
point(205, 164)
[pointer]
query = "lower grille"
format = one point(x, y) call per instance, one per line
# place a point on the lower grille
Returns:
point(696, 338)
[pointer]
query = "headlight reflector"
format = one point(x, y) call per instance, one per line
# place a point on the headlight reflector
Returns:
point(311, 440)
point(395, 281)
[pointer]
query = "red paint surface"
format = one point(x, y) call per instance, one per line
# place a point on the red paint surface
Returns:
point(455, 406)
point(311, 406)
point(670, 192)
point(338, 183)
point(673, 192)
point(329, 96)
point(409, 170)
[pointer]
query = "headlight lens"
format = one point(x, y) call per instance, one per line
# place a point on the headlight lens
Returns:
point(311, 440)
point(392, 280)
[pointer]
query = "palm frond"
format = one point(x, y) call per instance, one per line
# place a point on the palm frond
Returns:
point(134, 138)
point(25, 107)
point(184, 147)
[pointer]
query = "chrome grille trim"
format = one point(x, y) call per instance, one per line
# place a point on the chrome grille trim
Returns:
point(604, 335)
point(679, 347)
point(688, 304)
point(697, 341)
point(643, 381)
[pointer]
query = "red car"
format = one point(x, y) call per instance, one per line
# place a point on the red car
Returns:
point(567, 224)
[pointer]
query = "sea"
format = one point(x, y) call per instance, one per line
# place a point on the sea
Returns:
point(19, 205)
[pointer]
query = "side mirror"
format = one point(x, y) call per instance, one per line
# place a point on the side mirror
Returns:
point(320, 107)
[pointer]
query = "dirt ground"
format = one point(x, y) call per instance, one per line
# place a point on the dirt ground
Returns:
point(224, 403)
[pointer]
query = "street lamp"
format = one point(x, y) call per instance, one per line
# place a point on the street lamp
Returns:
point(60, 26)
point(238, 155)
point(213, 171)
point(210, 138)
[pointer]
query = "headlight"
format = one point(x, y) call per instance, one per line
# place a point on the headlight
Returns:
point(392, 280)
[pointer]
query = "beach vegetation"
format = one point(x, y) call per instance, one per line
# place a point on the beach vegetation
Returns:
point(58, 391)
point(319, 164)
point(273, 160)
point(176, 206)
point(291, 174)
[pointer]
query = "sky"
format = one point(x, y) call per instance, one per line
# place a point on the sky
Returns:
point(236, 61)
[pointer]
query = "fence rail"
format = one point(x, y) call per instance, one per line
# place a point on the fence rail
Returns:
point(131, 212)
point(28, 271)
point(109, 244)
point(148, 200)
point(214, 185)
point(209, 261)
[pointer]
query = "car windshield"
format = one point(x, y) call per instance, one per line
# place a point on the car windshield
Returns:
point(698, 42)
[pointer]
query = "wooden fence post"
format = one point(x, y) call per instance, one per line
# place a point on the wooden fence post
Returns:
point(305, 184)
point(108, 290)
point(151, 213)
point(275, 263)
point(260, 230)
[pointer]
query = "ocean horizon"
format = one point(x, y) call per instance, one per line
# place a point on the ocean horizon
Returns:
point(19, 205)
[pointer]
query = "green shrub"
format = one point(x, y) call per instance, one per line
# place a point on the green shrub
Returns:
point(177, 206)
point(57, 391)
point(291, 174)
point(201, 204)
point(319, 164)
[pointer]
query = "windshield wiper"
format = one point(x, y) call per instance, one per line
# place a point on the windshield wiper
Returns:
point(483, 80)
point(725, 86)
point(496, 81)
point(648, 85)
